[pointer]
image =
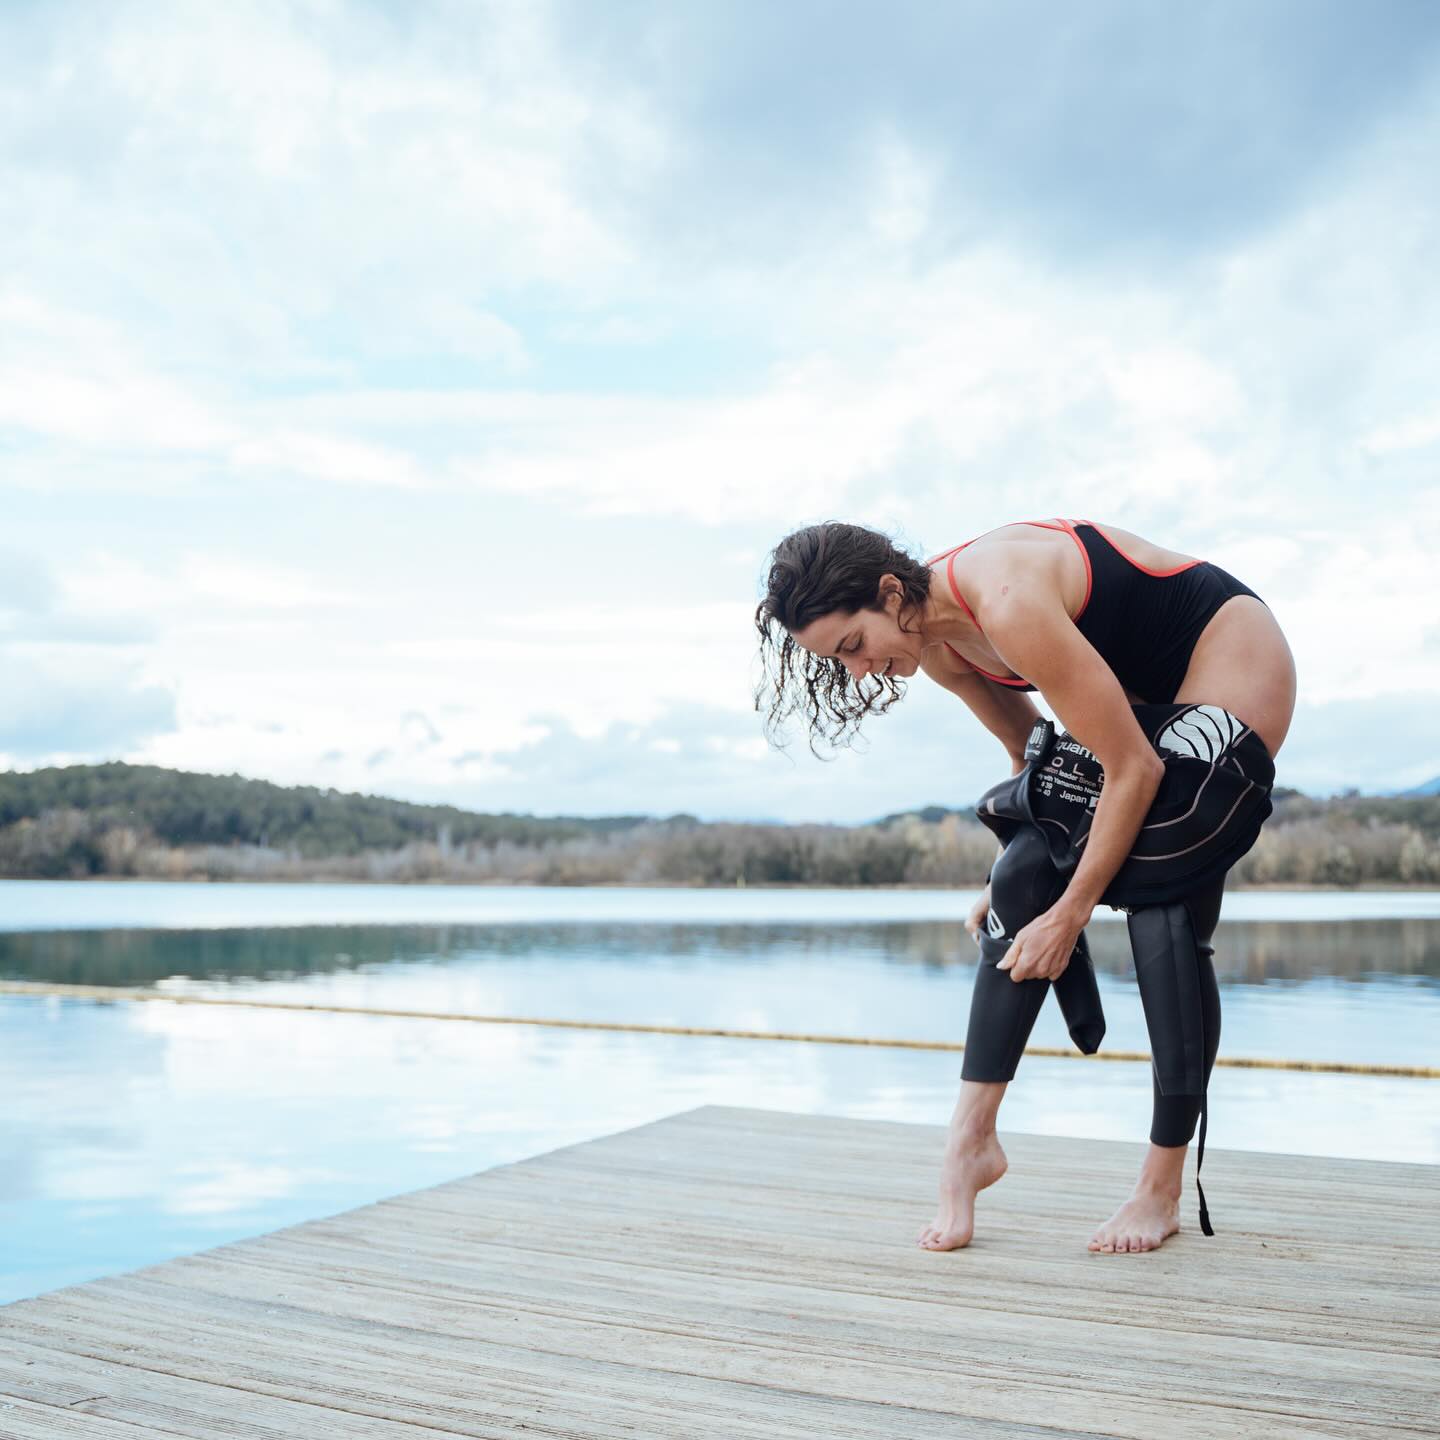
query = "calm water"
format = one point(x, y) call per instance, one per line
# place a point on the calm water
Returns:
point(135, 1132)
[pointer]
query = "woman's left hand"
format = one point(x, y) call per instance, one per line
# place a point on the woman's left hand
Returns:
point(1042, 949)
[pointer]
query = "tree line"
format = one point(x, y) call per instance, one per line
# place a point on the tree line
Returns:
point(144, 821)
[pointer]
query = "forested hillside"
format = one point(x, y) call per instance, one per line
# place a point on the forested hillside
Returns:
point(177, 808)
point(139, 820)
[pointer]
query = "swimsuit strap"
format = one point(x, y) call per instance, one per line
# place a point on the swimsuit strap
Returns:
point(1144, 569)
point(949, 557)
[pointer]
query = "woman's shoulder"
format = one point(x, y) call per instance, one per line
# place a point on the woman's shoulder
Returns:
point(991, 569)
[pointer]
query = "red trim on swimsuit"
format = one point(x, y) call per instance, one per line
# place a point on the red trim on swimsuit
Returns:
point(949, 557)
point(1159, 574)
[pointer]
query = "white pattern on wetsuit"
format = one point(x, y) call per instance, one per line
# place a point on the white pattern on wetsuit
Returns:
point(1203, 732)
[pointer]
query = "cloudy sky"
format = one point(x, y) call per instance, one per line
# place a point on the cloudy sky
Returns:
point(404, 397)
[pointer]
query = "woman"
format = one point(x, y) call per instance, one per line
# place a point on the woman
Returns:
point(1098, 620)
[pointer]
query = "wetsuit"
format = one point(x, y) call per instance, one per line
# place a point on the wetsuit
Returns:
point(1213, 798)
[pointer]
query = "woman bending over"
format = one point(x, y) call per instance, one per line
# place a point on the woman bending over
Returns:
point(1175, 688)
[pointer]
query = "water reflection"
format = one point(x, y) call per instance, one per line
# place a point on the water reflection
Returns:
point(1256, 951)
point(1247, 952)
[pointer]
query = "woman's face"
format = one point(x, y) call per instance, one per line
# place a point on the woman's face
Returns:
point(869, 642)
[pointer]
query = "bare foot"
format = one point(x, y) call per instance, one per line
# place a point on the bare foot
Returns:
point(1143, 1222)
point(968, 1169)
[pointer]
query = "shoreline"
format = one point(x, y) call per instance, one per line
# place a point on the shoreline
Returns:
point(1284, 886)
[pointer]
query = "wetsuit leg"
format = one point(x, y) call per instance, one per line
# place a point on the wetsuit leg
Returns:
point(1079, 997)
point(1023, 884)
point(1175, 1115)
point(1181, 999)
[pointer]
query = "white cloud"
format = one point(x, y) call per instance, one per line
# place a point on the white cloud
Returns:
point(1415, 434)
point(328, 457)
point(288, 268)
point(63, 709)
point(345, 139)
point(253, 587)
point(26, 584)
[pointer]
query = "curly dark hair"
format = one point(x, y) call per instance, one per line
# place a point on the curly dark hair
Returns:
point(813, 571)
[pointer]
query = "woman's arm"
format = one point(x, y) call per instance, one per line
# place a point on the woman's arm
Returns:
point(1006, 713)
point(1028, 628)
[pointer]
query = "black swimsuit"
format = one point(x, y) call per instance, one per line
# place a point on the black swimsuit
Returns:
point(1143, 623)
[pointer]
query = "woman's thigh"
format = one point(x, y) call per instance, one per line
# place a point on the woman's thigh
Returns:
point(1243, 663)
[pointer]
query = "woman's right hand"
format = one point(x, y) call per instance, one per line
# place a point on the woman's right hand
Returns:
point(979, 911)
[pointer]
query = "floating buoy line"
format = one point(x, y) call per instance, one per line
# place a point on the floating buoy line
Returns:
point(1235, 1062)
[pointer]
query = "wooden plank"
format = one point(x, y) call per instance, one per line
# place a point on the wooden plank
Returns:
point(613, 1380)
point(753, 1273)
point(22, 1420)
point(54, 1390)
point(1020, 1285)
point(476, 1388)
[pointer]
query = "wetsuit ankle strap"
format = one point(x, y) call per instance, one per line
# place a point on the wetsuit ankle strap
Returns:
point(1205, 1227)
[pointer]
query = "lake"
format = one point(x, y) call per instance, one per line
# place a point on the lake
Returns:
point(135, 1132)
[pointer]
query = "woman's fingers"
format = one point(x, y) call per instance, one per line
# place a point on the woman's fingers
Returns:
point(1022, 965)
point(1041, 950)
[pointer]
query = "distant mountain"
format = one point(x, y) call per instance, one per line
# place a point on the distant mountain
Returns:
point(930, 814)
point(143, 821)
point(1430, 787)
point(178, 807)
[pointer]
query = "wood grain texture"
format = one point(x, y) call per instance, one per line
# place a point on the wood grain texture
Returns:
point(753, 1273)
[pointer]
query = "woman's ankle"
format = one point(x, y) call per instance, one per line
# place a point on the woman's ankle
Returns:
point(1163, 1170)
point(971, 1131)
point(973, 1121)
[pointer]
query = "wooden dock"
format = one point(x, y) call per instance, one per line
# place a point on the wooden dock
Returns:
point(751, 1273)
